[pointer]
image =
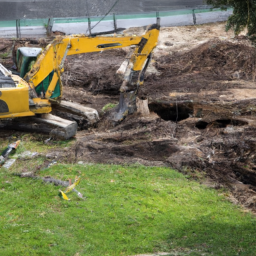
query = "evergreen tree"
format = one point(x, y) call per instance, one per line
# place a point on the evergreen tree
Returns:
point(244, 15)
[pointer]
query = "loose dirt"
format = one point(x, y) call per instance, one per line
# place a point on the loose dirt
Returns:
point(201, 91)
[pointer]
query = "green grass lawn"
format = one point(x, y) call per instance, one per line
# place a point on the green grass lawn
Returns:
point(127, 211)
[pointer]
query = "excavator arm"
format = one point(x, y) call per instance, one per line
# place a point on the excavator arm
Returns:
point(44, 75)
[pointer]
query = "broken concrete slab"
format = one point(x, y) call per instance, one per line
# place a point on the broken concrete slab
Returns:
point(8, 163)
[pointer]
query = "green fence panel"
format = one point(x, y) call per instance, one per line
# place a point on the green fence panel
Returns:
point(44, 22)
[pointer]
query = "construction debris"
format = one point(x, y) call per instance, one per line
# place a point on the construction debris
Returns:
point(5, 154)
point(70, 188)
point(8, 163)
point(63, 196)
point(68, 184)
point(27, 154)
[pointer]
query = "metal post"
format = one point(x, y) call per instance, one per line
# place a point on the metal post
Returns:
point(194, 16)
point(89, 26)
point(18, 34)
point(114, 20)
point(49, 27)
point(157, 19)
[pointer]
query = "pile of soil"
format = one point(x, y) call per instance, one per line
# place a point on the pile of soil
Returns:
point(97, 74)
point(91, 78)
point(203, 68)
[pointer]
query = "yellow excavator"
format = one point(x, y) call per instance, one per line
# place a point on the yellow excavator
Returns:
point(26, 101)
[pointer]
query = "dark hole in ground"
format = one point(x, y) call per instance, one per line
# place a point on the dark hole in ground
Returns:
point(171, 112)
point(246, 179)
point(220, 123)
point(201, 125)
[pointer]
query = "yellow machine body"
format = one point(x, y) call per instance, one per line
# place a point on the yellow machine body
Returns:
point(16, 101)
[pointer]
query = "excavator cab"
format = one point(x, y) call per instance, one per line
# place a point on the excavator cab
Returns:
point(25, 59)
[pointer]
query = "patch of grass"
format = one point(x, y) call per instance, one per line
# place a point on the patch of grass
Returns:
point(4, 55)
point(108, 106)
point(128, 210)
point(193, 174)
point(33, 143)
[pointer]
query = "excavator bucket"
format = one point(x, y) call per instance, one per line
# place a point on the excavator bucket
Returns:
point(126, 106)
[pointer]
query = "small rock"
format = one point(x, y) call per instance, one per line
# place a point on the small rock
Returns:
point(50, 155)
point(168, 44)
point(46, 141)
point(26, 174)
point(236, 75)
point(51, 164)
point(53, 155)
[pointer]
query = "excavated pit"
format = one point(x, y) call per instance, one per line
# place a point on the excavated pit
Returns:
point(171, 112)
point(220, 123)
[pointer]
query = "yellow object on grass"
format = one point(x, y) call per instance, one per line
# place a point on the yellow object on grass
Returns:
point(71, 187)
point(64, 196)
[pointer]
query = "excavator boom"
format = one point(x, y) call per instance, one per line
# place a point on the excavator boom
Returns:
point(51, 60)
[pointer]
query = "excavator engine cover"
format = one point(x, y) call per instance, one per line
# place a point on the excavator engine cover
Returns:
point(14, 96)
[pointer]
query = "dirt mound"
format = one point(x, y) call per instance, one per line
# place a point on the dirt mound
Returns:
point(95, 71)
point(202, 68)
point(139, 139)
point(213, 57)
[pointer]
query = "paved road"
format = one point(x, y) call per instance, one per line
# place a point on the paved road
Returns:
point(18, 9)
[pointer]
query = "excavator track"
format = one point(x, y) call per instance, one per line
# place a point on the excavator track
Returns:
point(84, 117)
point(55, 125)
